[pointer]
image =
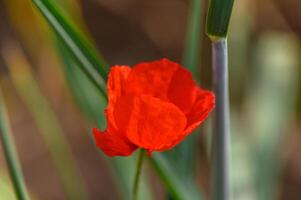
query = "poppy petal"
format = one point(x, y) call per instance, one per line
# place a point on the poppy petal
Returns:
point(152, 106)
point(111, 144)
point(116, 81)
point(151, 78)
point(154, 122)
point(113, 141)
point(182, 90)
point(122, 112)
point(203, 105)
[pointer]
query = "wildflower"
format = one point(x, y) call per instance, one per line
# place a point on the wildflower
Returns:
point(153, 106)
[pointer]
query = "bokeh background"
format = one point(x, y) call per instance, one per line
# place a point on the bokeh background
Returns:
point(53, 133)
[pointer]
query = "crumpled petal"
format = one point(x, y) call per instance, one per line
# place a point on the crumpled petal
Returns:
point(151, 78)
point(111, 144)
point(154, 122)
point(163, 79)
point(203, 105)
point(182, 90)
point(113, 141)
point(116, 81)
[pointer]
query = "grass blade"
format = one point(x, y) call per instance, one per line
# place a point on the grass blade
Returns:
point(90, 62)
point(178, 187)
point(46, 121)
point(218, 18)
point(10, 154)
point(6, 190)
point(187, 149)
point(86, 95)
point(192, 47)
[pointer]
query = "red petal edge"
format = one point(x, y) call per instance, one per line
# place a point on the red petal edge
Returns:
point(111, 144)
point(203, 105)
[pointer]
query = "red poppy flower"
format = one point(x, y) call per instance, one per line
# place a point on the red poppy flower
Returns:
point(153, 106)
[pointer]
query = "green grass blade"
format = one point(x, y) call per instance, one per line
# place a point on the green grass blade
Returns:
point(218, 18)
point(179, 188)
point(10, 154)
point(90, 62)
point(86, 95)
point(191, 53)
point(49, 127)
point(6, 190)
point(187, 149)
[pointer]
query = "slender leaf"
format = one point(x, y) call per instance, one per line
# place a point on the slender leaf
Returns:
point(89, 61)
point(186, 151)
point(179, 187)
point(45, 118)
point(218, 18)
point(11, 154)
point(86, 95)
point(191, 53)
point(184, 158)
point(6, 189)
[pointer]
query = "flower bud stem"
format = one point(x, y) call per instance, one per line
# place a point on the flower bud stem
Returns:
point(138, 174)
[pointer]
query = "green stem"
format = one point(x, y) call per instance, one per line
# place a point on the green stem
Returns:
point(191, 53)
point(137, 175)
point(11, 156)
point(218, 18)
point(221, 130)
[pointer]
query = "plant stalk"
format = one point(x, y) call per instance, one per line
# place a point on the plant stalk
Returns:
point(192, 49)
point(221, 154)
point(138, 174)
point(11, 156)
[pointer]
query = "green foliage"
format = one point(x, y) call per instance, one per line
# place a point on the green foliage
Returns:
point(191, 55)
point(83, 52)
point(11, 156)
point(180, 187)
point(218, 18)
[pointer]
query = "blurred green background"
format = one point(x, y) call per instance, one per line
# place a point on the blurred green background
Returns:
point(51, 117)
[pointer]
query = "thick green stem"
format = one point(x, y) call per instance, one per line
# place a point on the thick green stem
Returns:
point(218, 18)
point(137, 174)
point(11, 156)
point(221, 135)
